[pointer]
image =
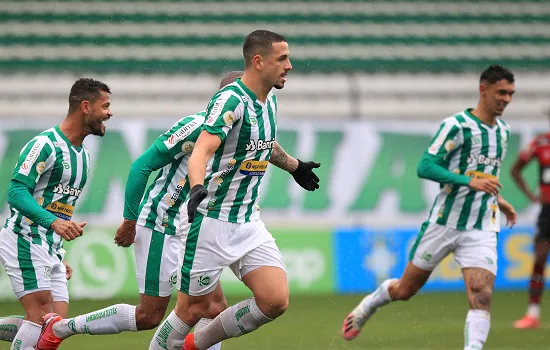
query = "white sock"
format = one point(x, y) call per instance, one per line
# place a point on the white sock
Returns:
point(233, 322)
point(203, 322)
point(111, 320)
point(476, 330)
point(533, 310)
point(170, 334)
point(9, 326)
point(27, 336)
point(381, 296)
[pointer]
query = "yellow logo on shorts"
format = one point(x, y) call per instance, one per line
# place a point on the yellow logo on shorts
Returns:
point(61, 210)
point(254, 167)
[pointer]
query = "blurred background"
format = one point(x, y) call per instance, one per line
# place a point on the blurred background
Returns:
point(371, 82)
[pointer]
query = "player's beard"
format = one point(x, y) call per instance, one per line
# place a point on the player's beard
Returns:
point(95, 125)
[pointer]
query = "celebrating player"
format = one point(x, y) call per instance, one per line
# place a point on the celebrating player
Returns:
point(47, 181)
point(153, 226)
point(230, 158)
point(465, 157)
point(538, 149)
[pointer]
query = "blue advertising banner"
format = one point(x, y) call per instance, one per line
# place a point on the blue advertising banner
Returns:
point(365, 257)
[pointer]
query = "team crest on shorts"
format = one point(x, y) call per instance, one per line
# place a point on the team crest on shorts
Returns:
point(203, 280)
point(174, 279)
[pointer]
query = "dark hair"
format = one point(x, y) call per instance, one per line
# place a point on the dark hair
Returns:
point(496, 73)
point(85, 89)
point(230, 77)
point(259, 42)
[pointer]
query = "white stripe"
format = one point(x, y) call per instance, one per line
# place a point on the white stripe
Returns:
point(271, 8)
point(290, 29)
point(165, 52)
point(157, 188)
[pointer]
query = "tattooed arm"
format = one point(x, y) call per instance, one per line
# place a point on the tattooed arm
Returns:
point(283, 160)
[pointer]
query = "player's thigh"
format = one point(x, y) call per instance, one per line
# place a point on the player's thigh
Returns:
point(207, 247)
point(157, 258)
point(433, 243)
point(477, 249)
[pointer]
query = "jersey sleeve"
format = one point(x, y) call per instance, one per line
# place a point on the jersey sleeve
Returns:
point(224, 111)
point(180, 137)
point(35, 158)
point(447, 139)
point(529, 152)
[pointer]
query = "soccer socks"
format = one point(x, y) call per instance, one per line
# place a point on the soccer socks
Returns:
point(536, 287)
point(27, 336)
point(9, 326)
point(203, 323)
point(476, 330)
point(111, 320)
point(380, 297)
point(233, 322)
point(170, 334)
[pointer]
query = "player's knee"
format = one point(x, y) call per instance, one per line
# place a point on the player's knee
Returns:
point(403, 292)
point(274, 306)
point(193, 312)
point(148, 319)
point(480, 297)
point(216, 307)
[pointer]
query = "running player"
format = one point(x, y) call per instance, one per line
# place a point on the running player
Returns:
point(47, 181)
point(233, 153)
point(465, 157)
point(152, 225)
point(538, 149)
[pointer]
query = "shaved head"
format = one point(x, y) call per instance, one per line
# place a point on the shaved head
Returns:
point(230, 77)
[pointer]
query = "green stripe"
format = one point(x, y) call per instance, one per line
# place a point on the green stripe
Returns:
point(493, 41)
point(470, 197)
point(479, 222)
point(25, 264)
point(55, 178)
point(463, 165)
point(189, 254)
point(154, 258)
point(305, 65)
point(145, 199)
point(35, 234)
point(358, 18)
point(175, 209)
point(418, 239)
point(239, 156)
point(153, 215)
point(243, 186)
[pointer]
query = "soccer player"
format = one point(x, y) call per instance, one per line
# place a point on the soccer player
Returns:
point(152, 225)
point(230, 158)
point(538, 149)
point(47, 181)
point(465, 157)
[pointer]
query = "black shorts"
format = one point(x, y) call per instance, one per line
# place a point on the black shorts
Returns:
point(543, 224)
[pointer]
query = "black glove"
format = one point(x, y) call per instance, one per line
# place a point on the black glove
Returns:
point(196, 195)
point(305, 176)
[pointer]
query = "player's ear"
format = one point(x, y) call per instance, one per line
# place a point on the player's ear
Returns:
point(258, 62)
point(86, 107)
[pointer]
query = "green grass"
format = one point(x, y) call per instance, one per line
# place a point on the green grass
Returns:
point(428, 321)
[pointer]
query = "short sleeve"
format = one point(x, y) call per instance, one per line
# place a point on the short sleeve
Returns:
point(447, 139)
point(35, 158)
point(224, 111)
point(181, 137)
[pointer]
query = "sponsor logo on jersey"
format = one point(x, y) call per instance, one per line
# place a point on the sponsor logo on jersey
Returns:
point(254, 167)
point(40, 200)
point(259, 145)
point(61, 210)
point(229, 118)
point(211, 203)
point(218, 180)
point(67, 190)
point(171, 199)
point(449, 145)
point(187, 147)
point(183, 132)
point(483, 160)
point(40, 167)
point(480, 175)
point(230, 166)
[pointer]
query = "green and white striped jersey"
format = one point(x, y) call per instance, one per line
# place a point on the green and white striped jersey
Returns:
point(472, 148)
point(57, 172)
point(160, 207)
point(247, 128)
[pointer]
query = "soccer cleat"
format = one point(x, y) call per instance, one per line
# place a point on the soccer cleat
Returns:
point(189, 343)
point(48, 340)
point(527, 322)
point(354, 322)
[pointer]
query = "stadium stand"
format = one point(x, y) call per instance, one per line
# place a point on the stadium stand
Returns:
point(407, 41)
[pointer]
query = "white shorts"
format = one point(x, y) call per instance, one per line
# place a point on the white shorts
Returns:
point(473, 248)
point(209, 245)
point(157, 259)
point(31, 268)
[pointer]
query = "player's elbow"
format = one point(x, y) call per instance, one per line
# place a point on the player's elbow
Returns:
point(422, 169)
